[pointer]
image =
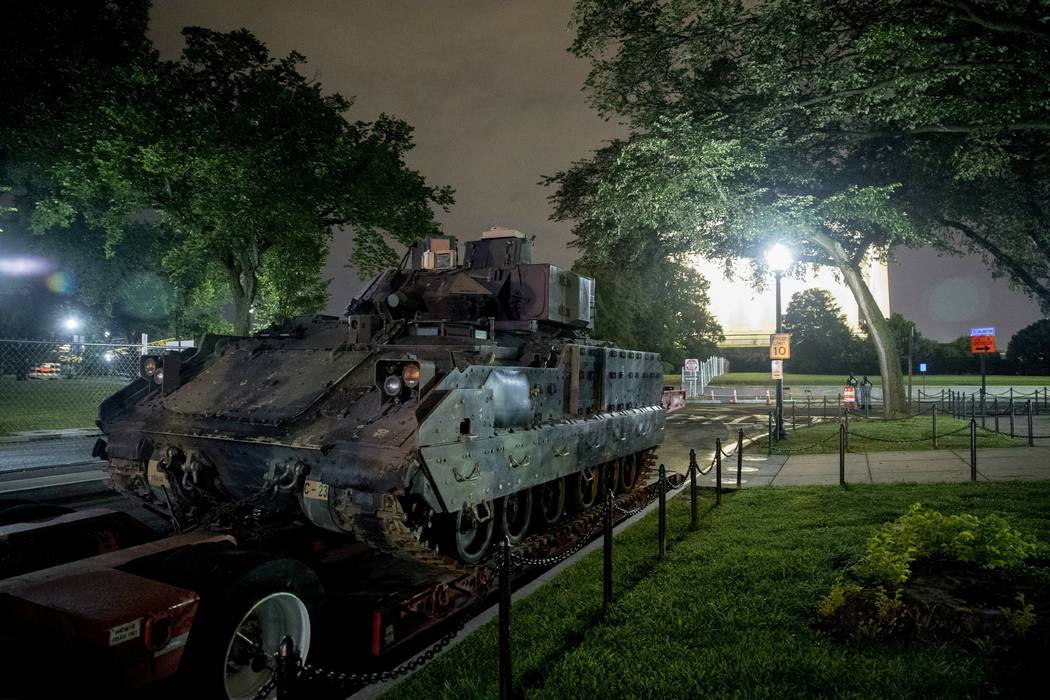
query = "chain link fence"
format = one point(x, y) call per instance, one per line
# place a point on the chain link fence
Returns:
point(51, 387)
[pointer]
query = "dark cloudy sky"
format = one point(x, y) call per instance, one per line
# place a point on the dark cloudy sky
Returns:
point(496, 103)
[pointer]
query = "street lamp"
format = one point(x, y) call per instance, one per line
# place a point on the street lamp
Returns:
point(71, 323)
point(778, 259)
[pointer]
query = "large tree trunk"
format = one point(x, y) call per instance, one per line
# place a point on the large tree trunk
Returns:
point(894, 403)
point(242, 289)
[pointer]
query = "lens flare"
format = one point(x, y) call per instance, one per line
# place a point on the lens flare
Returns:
point(24, 266)
point(59, 282)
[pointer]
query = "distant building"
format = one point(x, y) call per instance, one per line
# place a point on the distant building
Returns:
point(748, 315)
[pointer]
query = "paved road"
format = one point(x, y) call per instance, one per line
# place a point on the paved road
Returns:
point(45, 453)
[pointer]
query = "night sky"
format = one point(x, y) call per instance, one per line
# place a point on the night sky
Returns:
point(496, 102)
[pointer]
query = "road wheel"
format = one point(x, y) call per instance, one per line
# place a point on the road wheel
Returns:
point(550, 501)
point(515, 512)
point(586, 488)
point(628, 473)
point(470, 533)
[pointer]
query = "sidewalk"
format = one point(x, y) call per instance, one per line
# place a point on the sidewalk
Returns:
point(993, 464)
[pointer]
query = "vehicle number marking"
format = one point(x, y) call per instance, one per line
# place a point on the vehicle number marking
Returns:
point(316, 490)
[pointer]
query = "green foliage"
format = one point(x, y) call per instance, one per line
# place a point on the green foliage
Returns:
point(654, 302)
point(990, 542)
point(821, 340)
point(1022, 618)
point(836, 598)
point(1030, 348)
point(245, 164)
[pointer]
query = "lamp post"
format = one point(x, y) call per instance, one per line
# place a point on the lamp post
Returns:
point(778, 258)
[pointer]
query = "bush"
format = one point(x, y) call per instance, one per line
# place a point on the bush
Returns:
point(989, 542)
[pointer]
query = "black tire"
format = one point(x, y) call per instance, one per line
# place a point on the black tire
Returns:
point(231, 583)
point(628, 472)
point(31, 512)
point(610, 476)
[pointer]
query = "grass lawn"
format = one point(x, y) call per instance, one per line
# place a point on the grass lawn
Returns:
point(729, 612)
point(763, 378)
point(52, 404)
point(918, 428)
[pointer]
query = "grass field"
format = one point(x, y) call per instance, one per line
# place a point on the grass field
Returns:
point(763, 378)
point(729, 613)
point(876, 435)
point(52, 404)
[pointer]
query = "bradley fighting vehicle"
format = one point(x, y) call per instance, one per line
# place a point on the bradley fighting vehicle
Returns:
point(455, 399)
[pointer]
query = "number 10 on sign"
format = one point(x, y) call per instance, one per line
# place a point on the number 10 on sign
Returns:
point(780, 346)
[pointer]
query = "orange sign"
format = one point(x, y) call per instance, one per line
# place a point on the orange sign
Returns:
point(982, 343)
point(849, 396)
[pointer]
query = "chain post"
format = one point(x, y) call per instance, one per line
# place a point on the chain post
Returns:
point(769, 435)
point(1031, 439)
point(504, 620)
point(607, 555)
point(661, 532)
point(973, 449)
point(825, 397)
point(983, 410)
point(718, 471)
point(995, 408)
point(793, 428)
point(1012, 418)
point(739, 455)
point(846, 422)
point(933, 418)
point(287, 670)
point(842, 454)
point(692, 492)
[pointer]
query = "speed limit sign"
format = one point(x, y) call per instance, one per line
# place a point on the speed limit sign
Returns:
point(780, 346)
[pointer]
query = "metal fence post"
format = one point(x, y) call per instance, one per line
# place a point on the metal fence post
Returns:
point(809, 409)
point(983, 403)
point(792, 414)
point(692, 492)
point(933, 418)
point(287, 671)
point(847, 431)
point(995, 409)
point(1031, 438)
point(662, 527)
point(739, 455)
point(825, 415)
point(504, 621)
point(1012, 418)
point(718, 471)
point(607, 555)
point(842, 454)
point(973, 450)
point(769, 435)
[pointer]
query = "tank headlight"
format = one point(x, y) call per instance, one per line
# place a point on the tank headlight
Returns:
point(392, 385)
point(410, 375)
point(149, 366)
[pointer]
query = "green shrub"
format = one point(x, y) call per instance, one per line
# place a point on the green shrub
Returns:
point(989, 542)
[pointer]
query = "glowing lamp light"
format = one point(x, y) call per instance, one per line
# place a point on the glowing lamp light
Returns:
point(778, 258)
point(72, 323)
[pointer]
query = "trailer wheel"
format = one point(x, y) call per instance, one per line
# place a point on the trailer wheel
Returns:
point(249, 602)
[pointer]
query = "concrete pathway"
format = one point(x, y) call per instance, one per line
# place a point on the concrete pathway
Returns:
point(993, 464)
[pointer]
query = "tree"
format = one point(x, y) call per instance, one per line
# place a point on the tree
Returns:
point(804, 120)
point(820, 337)
point(1030, 348)
point(249, 165)
point(654, 302)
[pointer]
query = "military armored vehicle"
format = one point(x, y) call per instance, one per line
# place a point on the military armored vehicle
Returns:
point(456, 399)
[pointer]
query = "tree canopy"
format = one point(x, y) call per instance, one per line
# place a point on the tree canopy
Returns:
point(808, 121)
point(658, 303)
point(820, 336)
point(1030, 348)
point(242, 166)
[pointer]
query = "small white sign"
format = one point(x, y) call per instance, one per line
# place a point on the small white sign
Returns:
point(778, 369)
point(125, 632)
point(990, 330)
point(692, 365)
